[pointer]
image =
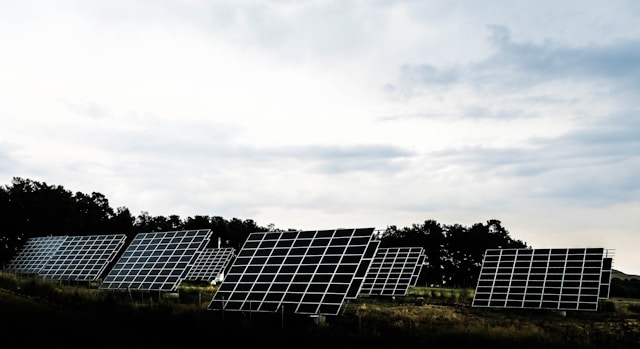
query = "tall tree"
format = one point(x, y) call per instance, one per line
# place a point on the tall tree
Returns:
point(434, 243)
point(94, 212)
point(430, 236)
point(466, 247)
point(239, 231)
point(122, 221)
point(34, 209)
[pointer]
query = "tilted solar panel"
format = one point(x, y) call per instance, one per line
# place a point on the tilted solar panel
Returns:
point(82, 258)
point(305, 272)
point(560, 278)
point(365, 264)
point(211, 264)
point(157, 261)
point(393, 271)
point(34, 254)
point(605, 280)
point(418, 270)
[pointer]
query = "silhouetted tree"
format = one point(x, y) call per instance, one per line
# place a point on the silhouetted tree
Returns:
point(239, 230)
point(466, 249)
point(454, 253)
point(94, 214)
point(34, 209)
point(122, 222)
point(8, 235)
point(146, 223)
point(197, 222)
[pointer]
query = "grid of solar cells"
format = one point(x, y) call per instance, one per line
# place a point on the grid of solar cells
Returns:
point(33, 255)
point(211, 264)
point(363, 269)
point(306, 272)
point(605, 279)
point(82, 258)
point(418, 270)
point(562, 278)
point(157, 261)
point(393, 271)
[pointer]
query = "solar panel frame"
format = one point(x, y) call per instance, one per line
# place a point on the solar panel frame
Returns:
point(34, 254)
point(82, 258)
point(211, 264)
point(305, 272)
point(418, 269)
point(558, 278)
point(363, 269)
point(605, 279)
point(157, 261)
point(393, 271)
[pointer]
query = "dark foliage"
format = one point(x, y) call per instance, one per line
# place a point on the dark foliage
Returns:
point(454, 252)
point(626, 288)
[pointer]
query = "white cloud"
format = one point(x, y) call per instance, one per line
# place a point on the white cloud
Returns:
point(330, 114)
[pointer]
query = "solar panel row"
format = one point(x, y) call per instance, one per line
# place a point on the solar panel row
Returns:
point(313, 272)
point(563, 278)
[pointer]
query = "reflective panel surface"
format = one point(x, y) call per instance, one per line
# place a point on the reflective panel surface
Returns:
point(306, 272)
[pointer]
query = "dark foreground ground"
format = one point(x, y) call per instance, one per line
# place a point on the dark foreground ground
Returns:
point(56, 316)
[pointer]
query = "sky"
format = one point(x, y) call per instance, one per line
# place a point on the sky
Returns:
point(332, 114)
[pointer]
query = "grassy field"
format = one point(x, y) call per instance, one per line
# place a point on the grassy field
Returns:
point(42, 312)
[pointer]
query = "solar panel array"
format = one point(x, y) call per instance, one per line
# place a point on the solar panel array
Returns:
point(560, 278)
point(157, 261)
point(306, 272)
point(82, 258)
point(211, 264)
point(34, 254)
point(313, 272)
point(393, 271)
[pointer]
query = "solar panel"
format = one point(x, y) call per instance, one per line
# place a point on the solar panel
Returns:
point(305, 272)
point(560, 278)
point(157, 261)
point(393, 271)
point(82, 258)
point(211, 264)
point(363, 269)
point(418, 269)
point(605, 280)
point(33, 255)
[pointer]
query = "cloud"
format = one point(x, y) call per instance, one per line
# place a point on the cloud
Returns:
point(551, 61)
point(516, 67)
point(595, 165)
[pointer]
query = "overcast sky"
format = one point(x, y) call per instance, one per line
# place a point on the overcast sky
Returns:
point(335, 114)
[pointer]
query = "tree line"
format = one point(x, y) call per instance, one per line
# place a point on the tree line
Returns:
point(30, 208)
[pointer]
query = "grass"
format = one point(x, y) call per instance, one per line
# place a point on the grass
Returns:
point(50, 313)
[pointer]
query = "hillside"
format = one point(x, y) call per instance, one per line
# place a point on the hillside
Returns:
point(616, 274)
